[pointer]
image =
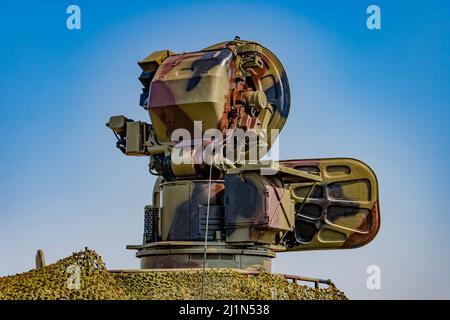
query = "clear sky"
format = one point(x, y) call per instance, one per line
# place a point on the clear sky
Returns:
point(381, 96)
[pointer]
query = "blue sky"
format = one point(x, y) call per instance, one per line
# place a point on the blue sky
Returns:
point(381, 96)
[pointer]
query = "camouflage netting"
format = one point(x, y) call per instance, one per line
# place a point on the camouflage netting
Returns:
point(220, 284)
point(56, 282)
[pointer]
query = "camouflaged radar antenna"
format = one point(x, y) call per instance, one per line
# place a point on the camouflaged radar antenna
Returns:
point(301, 205)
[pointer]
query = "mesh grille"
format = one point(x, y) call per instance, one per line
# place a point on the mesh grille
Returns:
point(150, 224)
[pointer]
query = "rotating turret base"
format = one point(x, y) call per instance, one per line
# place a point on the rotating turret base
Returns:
point(190, 254)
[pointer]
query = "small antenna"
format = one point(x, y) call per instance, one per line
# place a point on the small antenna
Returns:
point(40, 259)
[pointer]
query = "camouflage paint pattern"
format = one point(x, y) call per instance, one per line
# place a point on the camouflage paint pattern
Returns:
point(258, 208)
point(342, 211)
point(213, 86)
point(305, 205)
point(273, 80)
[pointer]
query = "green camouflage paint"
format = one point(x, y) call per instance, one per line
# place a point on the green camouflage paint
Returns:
point(304, 205)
